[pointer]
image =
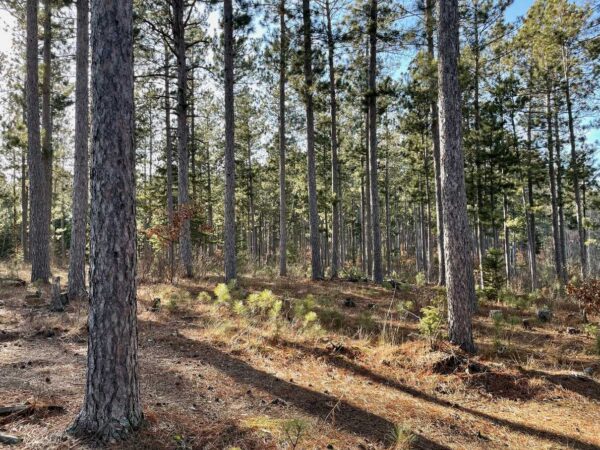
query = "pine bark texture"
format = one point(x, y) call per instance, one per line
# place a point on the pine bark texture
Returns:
point(169, 160)
point(77, 286)
point(335, 169)
point(435, 137)
point(111, 407)
point(459, 265)
point(38, 236)
point(230, 253)
point(185, 238)
point(575, 175)
point(47, 125)
point(373, 169)
point(317, 272)
point(282, 143)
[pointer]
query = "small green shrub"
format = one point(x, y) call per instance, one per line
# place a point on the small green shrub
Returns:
point(593, 330)
point(304, 306)
point(310, 319)
point(174, 298)
point(222, 293)
point(366, 321)
point(420, 279)
point(239, 308)
point(402, 437)
point(295, 430)
point(204, 297)
point(264, 304)
point(431, 323)
point(331, 318)
point(493, 273)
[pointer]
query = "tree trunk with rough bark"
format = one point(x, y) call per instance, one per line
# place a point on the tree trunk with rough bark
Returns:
point(47, 125)
point(559, 195)
point(282, 142)
point(552, 177)
point(459, 266)
point(435, 137)
point(111, 407)
point(335, 169)
point(373, 169)
point(581, 232)
point(77, 286)
point(313, 213)
point(39, 239)
point(230, 251)
point(185, 239)
point(169, 160)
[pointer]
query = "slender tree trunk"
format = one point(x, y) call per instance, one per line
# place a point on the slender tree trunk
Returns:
point(77, 286)
point(230, 234)
point(388, 221)
point(480, 232)
point(459, 266)
point(251, 213)
point(185, 239)
point(317, 271)
point(552, 176)
point(559, 197)
point(375, 223)
point(24, 207)
point(282, 142)
point(575, 170)
point(435, 137)
point(369, 217)
point(335, 169)
point(531, 237)
point(209, 207)
point(193, 141)
point(39, 239)
point(169, 160)
point(111, 406)
point(507, 268)
point(363, 221)
point(47, 125)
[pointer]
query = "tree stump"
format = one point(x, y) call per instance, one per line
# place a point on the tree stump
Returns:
point(57, 304)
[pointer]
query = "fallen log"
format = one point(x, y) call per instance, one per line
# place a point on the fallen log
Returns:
point(6, 410)
point(14, 282)
point(9, 439)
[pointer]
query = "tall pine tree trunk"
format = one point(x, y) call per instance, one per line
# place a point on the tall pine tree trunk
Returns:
point(229, 218)
point(111, 407)
point(552, 177)
point(169, 160)
point(39, 239)
point(185, 239)
point(335, 169)
point(559, 196)
point(530, 213)
point(373, 169)
point(575, 170)
point(282, 142)
point(317, 271)
point(435, 137)
point(459, 266)
point(47, 125)
point(77, 286)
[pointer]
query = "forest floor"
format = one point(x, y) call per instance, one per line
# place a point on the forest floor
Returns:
point(364, 379)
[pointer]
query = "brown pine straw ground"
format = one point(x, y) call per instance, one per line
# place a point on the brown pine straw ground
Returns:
point(213, 380)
